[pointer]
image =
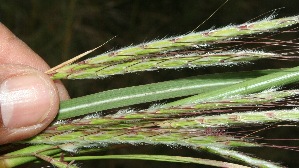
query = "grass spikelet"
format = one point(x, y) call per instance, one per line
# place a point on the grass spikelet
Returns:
point(157, 54)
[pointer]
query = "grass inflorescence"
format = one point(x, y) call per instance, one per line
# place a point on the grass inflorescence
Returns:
point(215, 104)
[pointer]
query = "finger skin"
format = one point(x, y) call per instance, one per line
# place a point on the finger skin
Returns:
point(8, 71)
point(17, 58)
point(15, 51)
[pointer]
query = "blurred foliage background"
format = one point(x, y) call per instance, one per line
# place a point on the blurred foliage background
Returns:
point(59, 30)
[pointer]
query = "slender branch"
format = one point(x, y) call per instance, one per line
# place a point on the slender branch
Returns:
point(163, 158)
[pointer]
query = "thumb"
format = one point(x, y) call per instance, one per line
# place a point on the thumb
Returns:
point(29, 101)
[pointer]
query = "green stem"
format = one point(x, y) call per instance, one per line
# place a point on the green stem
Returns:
point(151, 92)
point(25, 155)
point(281, 78)
point(131, 119)
point(241, 157)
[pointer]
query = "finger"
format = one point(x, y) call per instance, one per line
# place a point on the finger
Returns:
point(29, 101)
point(15, 51)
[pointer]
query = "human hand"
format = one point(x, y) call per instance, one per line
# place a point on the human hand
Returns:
point(29, 99)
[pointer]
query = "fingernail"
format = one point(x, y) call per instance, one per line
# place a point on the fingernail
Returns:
point(24, 101)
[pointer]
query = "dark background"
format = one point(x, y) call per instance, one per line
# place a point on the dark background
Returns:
point(59, 30)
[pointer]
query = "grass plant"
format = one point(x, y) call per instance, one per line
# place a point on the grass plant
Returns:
point(208, 113)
